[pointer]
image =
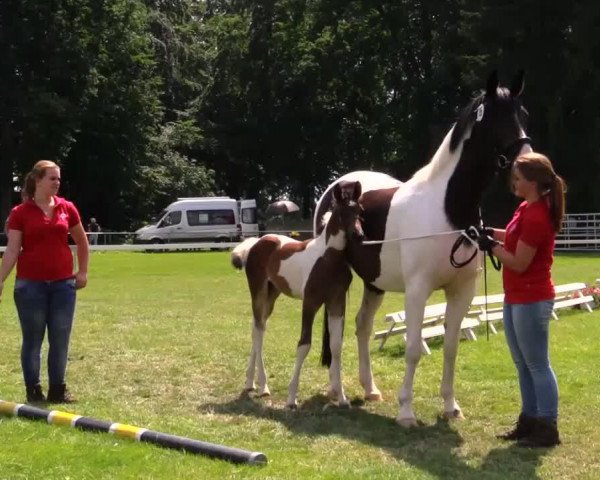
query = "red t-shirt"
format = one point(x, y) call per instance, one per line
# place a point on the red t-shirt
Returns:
point(532, 225)
point(45, 253)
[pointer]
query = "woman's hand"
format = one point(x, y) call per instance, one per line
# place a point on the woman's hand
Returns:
point(80, 280)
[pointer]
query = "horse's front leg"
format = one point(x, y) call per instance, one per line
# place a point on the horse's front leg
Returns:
point(414, 305)
point(308, 317)
point(458, 300)
point(335, 323)
point(371, 301)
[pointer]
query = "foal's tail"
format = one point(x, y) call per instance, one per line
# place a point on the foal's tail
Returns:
point(239, 256)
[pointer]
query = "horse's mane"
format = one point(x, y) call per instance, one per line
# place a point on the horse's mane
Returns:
point(325, 218)
point(437, 162)
point(467, 116)
point(460, 130)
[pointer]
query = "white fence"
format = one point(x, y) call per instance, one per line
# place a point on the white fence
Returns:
point(580, 231)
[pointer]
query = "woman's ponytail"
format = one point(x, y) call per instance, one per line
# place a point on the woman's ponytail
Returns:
point(557, 201)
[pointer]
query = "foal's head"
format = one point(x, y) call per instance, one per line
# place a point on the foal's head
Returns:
point(345, 216)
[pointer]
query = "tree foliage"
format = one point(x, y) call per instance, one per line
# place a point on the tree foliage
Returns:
point(142, 101)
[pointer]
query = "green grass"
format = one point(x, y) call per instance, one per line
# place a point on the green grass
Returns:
point(161, 341)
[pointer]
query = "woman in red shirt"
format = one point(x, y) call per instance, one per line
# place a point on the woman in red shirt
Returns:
point(529, 294)
point(38, 231)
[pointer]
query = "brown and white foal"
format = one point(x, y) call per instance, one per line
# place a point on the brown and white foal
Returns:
point(315, 271)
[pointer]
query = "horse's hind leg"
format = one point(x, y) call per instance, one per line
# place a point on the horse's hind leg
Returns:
point(458, 301)
point(308, 317)
point(371, 301)
point(263, 299)
point(336, 311)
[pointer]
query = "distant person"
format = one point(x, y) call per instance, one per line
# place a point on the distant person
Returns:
point(45, 284)
point(93, 228)
point(527, 256)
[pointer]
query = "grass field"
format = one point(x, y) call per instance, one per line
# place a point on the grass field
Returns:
point(161, 341)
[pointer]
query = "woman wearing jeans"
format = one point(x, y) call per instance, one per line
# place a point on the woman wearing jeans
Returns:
point(529, 294)
point(45, 286)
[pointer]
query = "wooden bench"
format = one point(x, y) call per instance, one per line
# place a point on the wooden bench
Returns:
point(488, 309)
point(482, 310)
point(432, 316)
point(566, 295)
point(570, 295)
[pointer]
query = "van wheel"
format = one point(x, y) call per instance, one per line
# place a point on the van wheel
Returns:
point(217, 240)
point(156, 241)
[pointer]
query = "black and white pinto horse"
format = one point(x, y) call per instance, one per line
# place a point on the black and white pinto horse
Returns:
point(417, 224)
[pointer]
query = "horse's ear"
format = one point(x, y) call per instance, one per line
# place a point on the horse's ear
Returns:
point(337, 193)
point(517, 85)
point(357, 191)
point(491, 87)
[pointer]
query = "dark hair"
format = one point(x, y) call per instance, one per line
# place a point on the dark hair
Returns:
point(536, 167)
point(37, 173)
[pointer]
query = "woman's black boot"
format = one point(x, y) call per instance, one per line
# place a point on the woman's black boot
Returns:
point(523, 427)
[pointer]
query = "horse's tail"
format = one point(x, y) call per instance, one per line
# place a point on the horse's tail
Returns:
point(326, 347)
point(239, 256)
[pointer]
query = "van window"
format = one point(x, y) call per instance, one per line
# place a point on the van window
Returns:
point(173, 218)
point(249, 215)
point(210, 217)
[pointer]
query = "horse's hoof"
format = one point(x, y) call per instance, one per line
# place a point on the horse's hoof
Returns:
point(291, 406)
point(248, 389)
point(407, 422)
point(343, 405)
point(265, 393)
point(332, 394)
point(455, 414)
point(374, 397)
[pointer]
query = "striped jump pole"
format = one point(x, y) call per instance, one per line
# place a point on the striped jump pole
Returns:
point(56, 417)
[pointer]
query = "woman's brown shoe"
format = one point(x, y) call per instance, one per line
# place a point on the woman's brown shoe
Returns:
point(523, 427)
point(60, 394)
point(35, 394)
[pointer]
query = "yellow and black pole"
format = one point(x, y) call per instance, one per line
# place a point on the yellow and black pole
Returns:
point(56, 417)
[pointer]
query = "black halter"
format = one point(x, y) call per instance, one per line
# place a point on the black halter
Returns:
point(511, 151)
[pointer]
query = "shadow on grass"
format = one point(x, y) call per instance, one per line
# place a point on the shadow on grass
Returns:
point(430, 448)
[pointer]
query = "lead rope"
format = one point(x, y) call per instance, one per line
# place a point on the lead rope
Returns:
point(497, 265)
point(485, 292)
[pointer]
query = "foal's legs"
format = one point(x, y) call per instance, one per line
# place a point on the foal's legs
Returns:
point(371, 301)
point(458, 297)
point(414, 305)
point(308, 317)
point(263, 300)
point(336, 311)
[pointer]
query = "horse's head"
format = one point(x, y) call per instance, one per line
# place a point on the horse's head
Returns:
point(491, 130)
point(346, 212)
point(497, 120)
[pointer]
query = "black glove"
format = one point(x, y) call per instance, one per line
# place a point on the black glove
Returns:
point(474, 232)
point(485, 231)
point(486, 243)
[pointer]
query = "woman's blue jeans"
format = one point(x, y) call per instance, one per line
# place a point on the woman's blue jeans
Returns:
point(526, 327)
point(45, 305)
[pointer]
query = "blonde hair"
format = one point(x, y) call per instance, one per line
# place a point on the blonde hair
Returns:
point(536, 167)
point(37, 173)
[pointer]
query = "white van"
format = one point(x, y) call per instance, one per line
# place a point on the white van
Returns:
point(220, 219)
